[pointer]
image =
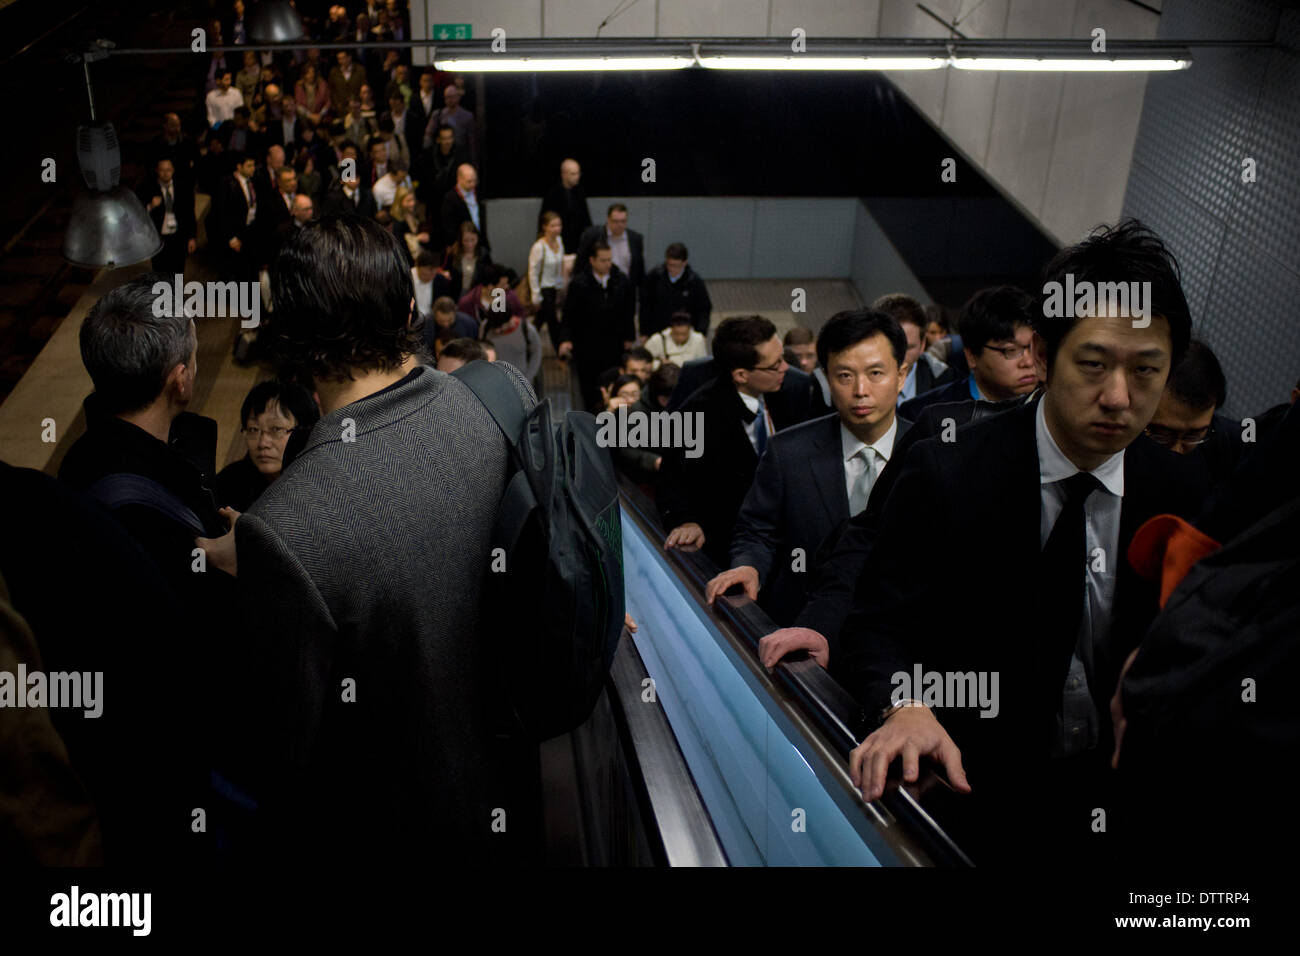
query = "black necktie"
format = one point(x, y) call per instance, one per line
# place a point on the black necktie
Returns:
point(1063, 583)
point(167, 198)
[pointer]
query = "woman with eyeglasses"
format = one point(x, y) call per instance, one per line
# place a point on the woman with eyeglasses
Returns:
point(277, 417)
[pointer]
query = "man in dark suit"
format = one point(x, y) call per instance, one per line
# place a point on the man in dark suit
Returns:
point(235, 209)
point(276, 211)
point(1187, 420)
point(421, 105)
point(673, 286)
point(1047, 497)
point(320, 621)
point(279, 121)
point(568, 199)
point(435, 170)
point(171, 208)
point(598, 321)
point(923, 371)
point(348, 199)
point(462, 204)
point(699, 498)
point(173, 144)
point(627, 245)
point(997, 330)
point(786, 516)
point(798, 400)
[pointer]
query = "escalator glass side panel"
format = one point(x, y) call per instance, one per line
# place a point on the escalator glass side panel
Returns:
point(768, 804)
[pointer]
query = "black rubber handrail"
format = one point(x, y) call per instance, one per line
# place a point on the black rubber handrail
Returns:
point(826, 704)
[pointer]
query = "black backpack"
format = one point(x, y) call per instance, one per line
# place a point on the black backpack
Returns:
point(555, 614)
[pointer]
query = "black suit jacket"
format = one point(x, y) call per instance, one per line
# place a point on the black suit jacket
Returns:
point(273, 135)
point(453, 211)
point(799, 399)
point(182, 206)
point(337, 203)
point(231, 209)
point(635, 246)
point(982, 491)
point(661, 297)
point(926, 380)
point(598, 320)
point(571, 204)
point(954, 391)
point(709, 490)
point(844, 552)
point(798, 498)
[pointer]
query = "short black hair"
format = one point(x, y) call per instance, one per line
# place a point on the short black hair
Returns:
point(903, 308)
point(662, 382)
point(600, 245)
point(843, 330)
point(292, 398)
point(615, 207)
point(680, 318)
point(676, 250)
point(625, 380)
point(993, 315)
point(424, 259)
point(736, 342)
point(639, 352)
point(1198, 381)
point(128, 349)
point(467, 350)
point(799, 336)
point(1125, 252)
point(341, 291)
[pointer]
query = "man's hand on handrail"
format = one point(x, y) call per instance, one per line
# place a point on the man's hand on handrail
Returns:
point(788, 640)
point(744, 575)
point(911, 732)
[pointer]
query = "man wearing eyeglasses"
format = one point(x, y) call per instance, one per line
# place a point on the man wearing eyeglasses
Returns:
point(997, 332)
point(1187, 420)
point(699, 498)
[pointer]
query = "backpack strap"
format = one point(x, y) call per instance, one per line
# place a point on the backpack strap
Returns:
point(125, 488)
point(492, 387)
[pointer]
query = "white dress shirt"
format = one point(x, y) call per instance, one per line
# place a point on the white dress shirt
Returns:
point(759, 408)
point(621, 250)
point(863, 463)
point(423, 293)
point(222, 106)
point(1078, 723)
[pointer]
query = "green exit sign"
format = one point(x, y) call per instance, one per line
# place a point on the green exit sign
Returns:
point(452, 31)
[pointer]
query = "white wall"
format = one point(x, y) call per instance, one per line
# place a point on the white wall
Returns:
point(1059, 146)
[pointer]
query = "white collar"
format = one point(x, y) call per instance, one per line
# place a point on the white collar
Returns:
point(882, 446)
point(753, 404)
point(1054, 466)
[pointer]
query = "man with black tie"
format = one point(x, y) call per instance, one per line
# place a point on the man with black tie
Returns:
point(276, 211)
point(171, 207)
point(699, 498)
point(627, 245)
point(1046, 497)
point(813, 476)
point(348, 197)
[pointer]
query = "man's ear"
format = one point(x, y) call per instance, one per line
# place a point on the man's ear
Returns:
point(739, 376)
point(174, 384)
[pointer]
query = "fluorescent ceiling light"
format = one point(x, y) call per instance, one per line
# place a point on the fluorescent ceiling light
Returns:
point(804, 62)
point(1075, 64)
point(539, 64)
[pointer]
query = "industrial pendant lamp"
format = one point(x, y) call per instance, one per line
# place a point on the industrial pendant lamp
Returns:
point(109, 224)
point(274, 21)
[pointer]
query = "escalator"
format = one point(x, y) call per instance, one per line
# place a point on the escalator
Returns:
point(698, 756)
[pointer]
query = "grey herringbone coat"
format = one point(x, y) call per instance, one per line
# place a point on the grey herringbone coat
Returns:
point(363, 562)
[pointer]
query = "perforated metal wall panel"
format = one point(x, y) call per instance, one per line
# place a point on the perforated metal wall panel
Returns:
point(1238, 243)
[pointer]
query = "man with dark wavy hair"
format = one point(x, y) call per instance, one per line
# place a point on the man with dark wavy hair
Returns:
point(360, 570)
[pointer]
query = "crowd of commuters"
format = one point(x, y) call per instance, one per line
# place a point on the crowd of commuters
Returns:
point(895, 490)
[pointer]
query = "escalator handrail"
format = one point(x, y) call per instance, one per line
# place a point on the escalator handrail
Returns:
point(821, 699)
